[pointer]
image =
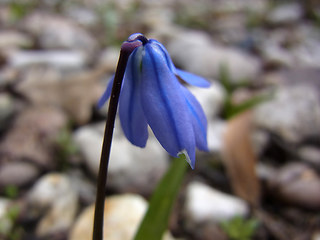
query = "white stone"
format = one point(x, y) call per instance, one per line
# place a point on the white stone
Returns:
point(197, 53)
point(55, 193)
point(57, 32)
point(130, 167)
point(13, 39)
point(293, 113)
point(205, 204)
point(211, 99)
point(59, 59)
point(122, 216)
point(216, 129)
point(285, 13)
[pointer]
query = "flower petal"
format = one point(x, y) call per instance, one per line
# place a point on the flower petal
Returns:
point(192, 79)
point(133, 121)
point(199, 120)
point(164, 104)
point(106, 93)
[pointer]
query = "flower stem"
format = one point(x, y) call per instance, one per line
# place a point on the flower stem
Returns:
point(126, 49)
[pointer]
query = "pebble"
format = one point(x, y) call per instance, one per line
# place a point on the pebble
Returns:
point(122, 216)
point(10, 39)
point(216, 129)
point(32, 136)
point(285, 13)
point(293, 113)
point(205, 204)
point(57, 32)
point(297, 184)
point(196, 52)
point(18, 174)
point(65, 60)
point(131, 168)
point(211, 99)
point(55, 201)
point(310, 154)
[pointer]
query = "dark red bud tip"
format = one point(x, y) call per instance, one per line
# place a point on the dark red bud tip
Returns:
point(128, 47)
point(138, 36)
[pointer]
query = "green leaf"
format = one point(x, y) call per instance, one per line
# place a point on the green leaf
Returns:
point(248, 104)
point(155, 222)
point(240, 228)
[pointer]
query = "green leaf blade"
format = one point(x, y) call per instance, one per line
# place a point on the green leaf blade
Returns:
point(156, 219)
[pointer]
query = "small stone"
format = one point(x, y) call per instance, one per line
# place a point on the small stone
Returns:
point(56, 202)
point(310, 154)
point(131, 168)
point(59, 59)
point(76, 92)
point(205, 204)
point(13, 39)
point(195, 52)
point(85, 189)
point(84, 16)
point(32, 136)
point(286, 13)
point(211, 99)
point(122, 216)
point(293, 113)
point(56, 32)
point(216, 129)
point(17, 174)
point(298, 185)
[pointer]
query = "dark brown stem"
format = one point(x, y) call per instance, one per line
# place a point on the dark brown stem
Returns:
point(126, 49)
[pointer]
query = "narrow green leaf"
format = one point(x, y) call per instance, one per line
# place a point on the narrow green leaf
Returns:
point(156, 220)
point(248, 104)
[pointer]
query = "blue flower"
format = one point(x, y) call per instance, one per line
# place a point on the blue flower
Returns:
point(153, 94)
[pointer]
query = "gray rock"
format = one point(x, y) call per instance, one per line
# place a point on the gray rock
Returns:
point(211, 99)
point(8, 75)
point(293, 113)
point(56, 202)
point(33, 135)
point(195, 52)
point(285, 13)
point(294, 49)
point(307, 53)
point(56, 32)
point(59, 59)
point(205, 204)
point(310, 154)
point(131, 168)
point(74, 91)
point(12, 39)
point(298, 185)
point(85, 189)
point(17, 174)
point(85, 16)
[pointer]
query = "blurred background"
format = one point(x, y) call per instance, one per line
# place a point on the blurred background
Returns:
point(260, 179)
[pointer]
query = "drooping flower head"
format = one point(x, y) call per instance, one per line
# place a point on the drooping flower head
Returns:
point(153, 94)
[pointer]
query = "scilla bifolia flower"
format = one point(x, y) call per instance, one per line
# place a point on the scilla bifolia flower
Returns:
point(153, 94)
